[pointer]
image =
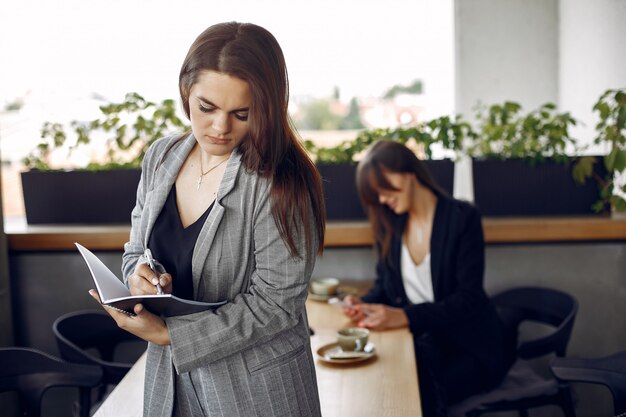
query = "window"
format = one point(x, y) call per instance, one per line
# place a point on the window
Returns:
point(61, 60)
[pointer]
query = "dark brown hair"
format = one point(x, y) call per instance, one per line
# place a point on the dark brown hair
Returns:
point(272, 150)
point(387, 156)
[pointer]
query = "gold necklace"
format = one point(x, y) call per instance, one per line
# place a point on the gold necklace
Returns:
point(202, 174)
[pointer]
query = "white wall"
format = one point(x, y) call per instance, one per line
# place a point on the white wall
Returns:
point(506, 50)
point(592, 55)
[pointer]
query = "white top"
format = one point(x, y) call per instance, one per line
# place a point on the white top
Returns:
point(417, 279)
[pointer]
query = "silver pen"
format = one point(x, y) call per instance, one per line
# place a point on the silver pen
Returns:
point(148, 255)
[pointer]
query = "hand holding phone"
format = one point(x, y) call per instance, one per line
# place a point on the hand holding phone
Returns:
point(338, 302)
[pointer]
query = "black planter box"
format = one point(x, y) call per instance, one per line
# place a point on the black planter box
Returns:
point(442, 171)
point(341, 196)
point(85, 197)
point(516, 188)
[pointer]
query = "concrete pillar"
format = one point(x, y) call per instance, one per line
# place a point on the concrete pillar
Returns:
point(506, 50)
point(592, 58)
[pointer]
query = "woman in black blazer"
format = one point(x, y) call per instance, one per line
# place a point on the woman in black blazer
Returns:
point(431, 261)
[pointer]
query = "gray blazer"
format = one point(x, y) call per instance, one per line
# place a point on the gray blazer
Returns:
point(252, 356)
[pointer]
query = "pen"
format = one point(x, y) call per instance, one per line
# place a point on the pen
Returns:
point(148, 255)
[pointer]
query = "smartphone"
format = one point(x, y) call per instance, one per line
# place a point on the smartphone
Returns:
point(340, 303)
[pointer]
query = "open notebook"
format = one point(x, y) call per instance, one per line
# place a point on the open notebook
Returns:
point(115, 294)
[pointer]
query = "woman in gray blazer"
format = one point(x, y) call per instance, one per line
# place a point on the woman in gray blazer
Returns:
point(232, 211)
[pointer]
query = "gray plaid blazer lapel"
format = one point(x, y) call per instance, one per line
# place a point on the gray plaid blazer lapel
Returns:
point(211, 224)
point(166, 173)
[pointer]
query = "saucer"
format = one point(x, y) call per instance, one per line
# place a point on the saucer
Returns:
point(342, 291)
point(320, 297)
point(332, 353)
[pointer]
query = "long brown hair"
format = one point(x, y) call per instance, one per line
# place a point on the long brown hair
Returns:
point(272, 150)
point(387, 156)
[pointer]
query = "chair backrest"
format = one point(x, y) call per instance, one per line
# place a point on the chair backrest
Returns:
point(31, 372)
point(609, 371)
point(79, 332)
point(542, 305)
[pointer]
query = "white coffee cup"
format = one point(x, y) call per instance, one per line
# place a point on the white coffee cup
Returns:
point(324, 286)
point(353, 338)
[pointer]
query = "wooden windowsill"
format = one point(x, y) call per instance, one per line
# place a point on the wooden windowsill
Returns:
point(23, 237)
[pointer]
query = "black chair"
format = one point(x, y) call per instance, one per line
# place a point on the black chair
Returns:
point(609, 371)
point(523, 388)
point(92, 337)
point(31, 373)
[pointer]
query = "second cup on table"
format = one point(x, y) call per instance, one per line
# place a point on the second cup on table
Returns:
point(352, 338)
point(324, 286)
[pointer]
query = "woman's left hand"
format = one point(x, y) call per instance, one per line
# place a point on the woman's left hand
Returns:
point(144, 325)
point(381, 317)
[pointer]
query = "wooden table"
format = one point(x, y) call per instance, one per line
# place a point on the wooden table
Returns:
point(384, 386)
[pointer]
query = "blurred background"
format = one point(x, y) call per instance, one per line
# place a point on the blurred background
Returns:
point(352, 64)
point(61, 60)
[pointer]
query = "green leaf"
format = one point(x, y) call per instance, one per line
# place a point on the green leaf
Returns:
point(618, 203)
point(598, 206)
point(609, 161)
point(583, 169)
point(512, 107)
point(621, 118)
point(603, 109)
point(615, 161)
point(620, 160)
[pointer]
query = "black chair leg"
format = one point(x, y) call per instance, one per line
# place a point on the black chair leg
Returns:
point(85, 402)
point(567, 403)
point(102, 389)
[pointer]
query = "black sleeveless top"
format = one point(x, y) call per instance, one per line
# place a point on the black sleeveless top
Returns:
point(172, 245)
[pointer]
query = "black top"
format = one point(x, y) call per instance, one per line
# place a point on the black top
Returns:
point(461, 313)
point(172, 245)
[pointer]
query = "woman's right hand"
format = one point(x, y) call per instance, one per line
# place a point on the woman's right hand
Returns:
point(354, 314)
point(144, 279)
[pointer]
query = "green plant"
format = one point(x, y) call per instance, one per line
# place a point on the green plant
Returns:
point(611, 132)
point(128, 129)
point(504, 132)
point(449, 133)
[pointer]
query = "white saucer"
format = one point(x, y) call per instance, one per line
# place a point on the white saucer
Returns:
point(332, 353)
point(342, 291)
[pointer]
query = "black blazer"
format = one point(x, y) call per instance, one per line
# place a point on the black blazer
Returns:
point(461, 316)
